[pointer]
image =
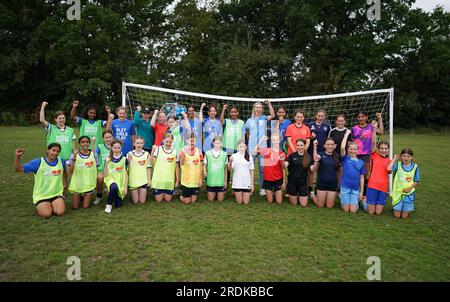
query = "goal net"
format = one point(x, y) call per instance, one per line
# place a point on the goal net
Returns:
point(349, 104)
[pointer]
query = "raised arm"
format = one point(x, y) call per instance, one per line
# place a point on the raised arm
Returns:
point(344, 142)
point(374, 142)
point(153, 120)
point(110, 117)
point(186, 121)
point(73, 111)
point(137, 116)
point(200, 115)
point(272, 112)
point(316, 157)
point(222, 115)
point(17, 166)
point(380, 129)
point(44, 123)
point(392, 163)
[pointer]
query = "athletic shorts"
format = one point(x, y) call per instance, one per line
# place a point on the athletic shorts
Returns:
point(50, 199)
point(141, 187)
point(215, 189)
point(159, 192)
point(349, 196)
point(84, 193)
point(376, 197)
point(241, 190)
point(297, 188)
point(364, 157)
point(188, 192)
point(326, 188)
point(272, 185)
point(406, 204)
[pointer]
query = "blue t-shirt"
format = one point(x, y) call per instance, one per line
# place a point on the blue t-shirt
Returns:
point(212, 128)
point(327, 175)
point(80, 119)
point(196, 128)
point(352, 169)
point(123, 130)
point(408, 169)
point(257, 128)
point(144, 130)
point(321, 131)
point(281, 130)
point(33, 165)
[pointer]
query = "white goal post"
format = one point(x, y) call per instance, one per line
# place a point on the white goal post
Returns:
point(349, 104)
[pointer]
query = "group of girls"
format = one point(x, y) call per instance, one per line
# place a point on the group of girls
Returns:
point(168, 153)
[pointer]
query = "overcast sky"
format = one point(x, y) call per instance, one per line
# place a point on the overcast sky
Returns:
point(429, 5)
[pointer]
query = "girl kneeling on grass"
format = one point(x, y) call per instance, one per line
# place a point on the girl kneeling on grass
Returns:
point(352, 180)
point(329, 169)
point(274, 170)
point(83, 168)
point(241, 165)
point(406, 178)
point(299, 163)
point(215, 171)
point(139, 177)
point(191, 159)
point(116, 176)
point(165, 170)
point(48, 180)
point(378, 184)
point(102, 151)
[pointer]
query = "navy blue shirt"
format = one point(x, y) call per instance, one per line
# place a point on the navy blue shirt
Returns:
point(321, 131)
point(327, 175)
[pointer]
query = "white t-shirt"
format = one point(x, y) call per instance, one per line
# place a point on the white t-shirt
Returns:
point(241, 171)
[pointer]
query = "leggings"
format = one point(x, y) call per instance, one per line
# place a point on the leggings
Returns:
point(113, 196)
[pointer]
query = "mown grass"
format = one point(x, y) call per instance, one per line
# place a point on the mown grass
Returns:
point(225, 242)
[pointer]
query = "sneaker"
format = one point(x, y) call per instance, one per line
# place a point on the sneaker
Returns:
point(262, 192)
point(97, 200)
point(108, 208)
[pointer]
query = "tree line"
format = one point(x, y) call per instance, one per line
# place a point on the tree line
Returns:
point(255, 48)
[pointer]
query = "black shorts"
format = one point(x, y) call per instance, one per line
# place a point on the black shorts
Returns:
point(272, 185)
point(215, 189)
point(141, 187)
point(188, 192)
point(297, 188)
point(364, 157)
point(326, 188)
point(49, 200)
point(85, 193)
point(241, 190)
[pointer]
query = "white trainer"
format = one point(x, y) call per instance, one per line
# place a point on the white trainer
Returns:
point(108, 208)
point(97, 200)
point(262, 192)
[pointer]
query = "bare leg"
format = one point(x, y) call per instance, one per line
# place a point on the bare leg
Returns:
point(321, 198)
point(345, 207)
point(353, 208)
point(303, 201)
point(246, 198)
point(371, 209)
point(220, 196)
point(379, 209)
point(76, 200)
point(269, 196)
point(59, 207)
point(239, 197)
point(87, 200)
point(194, 198)
point(100, 178)
point(279, 196)
point(397, 214)
point(135, 196)
point(167, 197)
point(331, 198)
point(211, 196)
point(293, 200)
point(159, 197)
point(405, 214)
point(142, 195)
point(44, 210)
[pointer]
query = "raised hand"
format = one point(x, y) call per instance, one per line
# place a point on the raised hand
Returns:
point(396, 157)
point(225, 106)
point(266, 102)
point(316, 157)
point(316, 143)
point(108, 109)
point(20, 152)
point(138, 108)
point(44, 104)
point(378, 114)
point(75, 103)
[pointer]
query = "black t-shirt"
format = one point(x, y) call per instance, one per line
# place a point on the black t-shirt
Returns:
point(327, 175)
point(338, 136)
point(295, 167)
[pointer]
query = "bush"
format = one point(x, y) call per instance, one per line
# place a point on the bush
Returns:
point(8, 118)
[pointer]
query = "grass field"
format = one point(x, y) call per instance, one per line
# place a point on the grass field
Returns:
point(225, 242)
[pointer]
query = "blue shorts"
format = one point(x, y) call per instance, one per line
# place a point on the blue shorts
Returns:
point(376, 197)
point(159, 192)
point(406, 204)
point(349, 196)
